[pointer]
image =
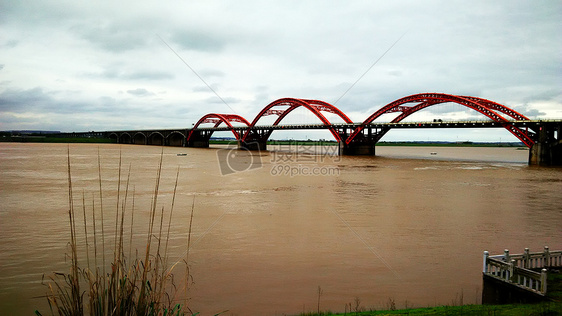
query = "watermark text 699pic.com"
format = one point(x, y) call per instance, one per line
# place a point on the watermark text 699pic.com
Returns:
point(285, 160)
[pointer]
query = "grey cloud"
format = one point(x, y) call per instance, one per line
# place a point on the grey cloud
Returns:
point(149, 75)
point(140, 92)
point(40, 11)
point(202, 88)
point(9, 118)
point(56, 110)
point(532, 113)
point(546, 95)
point(111, 36)
point(448, 108)
point(116, 73)
point(395, 73)
point(198, 41)
point(503, 51)
point(10, 44)
point(38, 101)
point(23, 100)
point(228, 100)
point(208, 73)
point(261, 97)
point(528, 111)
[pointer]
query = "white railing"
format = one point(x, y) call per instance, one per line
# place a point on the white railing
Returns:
point(516, 269)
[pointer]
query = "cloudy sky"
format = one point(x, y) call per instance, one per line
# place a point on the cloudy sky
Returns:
point(107, 65)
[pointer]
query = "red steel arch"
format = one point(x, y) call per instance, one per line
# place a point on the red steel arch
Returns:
point(498, 107)
point(483, 106)
point(314, 106)
point(218, 119)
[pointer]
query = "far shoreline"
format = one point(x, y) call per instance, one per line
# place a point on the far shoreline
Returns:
point(60, 138)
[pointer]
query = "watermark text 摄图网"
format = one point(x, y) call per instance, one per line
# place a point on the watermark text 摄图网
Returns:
point(233, 160)
point(302, 153)
point(290, 160)
point(293, 170)
point(301, 159)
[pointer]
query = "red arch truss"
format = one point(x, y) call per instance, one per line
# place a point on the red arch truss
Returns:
point(218, 119)
point(314, 106)
point(423, 100)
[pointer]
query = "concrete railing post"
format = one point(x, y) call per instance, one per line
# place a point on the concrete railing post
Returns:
point(513, 267)
point(546, 256)
point(526, 258)
point(485, 263)
point(506, 255)
point(543, 281)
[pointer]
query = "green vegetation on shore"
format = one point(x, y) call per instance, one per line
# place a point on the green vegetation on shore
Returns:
point(450, 144)
point(551, 306)
point(54, 139)
point(382, 143)
point(554, 287)
point(546, 308)
point(303, 142)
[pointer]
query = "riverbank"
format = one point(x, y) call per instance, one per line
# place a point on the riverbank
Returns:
point(552, 306)
point(547, 308)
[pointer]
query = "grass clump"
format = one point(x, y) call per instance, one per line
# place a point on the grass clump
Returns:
point(143, 285)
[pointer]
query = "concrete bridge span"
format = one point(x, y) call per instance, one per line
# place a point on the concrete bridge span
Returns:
point(160, 137)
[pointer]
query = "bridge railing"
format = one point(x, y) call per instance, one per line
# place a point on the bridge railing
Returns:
point(516, 269)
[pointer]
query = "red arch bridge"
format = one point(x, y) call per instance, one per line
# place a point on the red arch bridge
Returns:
point(542, 137)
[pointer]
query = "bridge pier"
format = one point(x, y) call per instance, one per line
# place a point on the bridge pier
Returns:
point(199, 139)
point(547, 150)
point(362, 145)
point(256, 140)
point(357, 148)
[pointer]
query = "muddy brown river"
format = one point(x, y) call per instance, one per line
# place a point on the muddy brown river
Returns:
point(269, 229)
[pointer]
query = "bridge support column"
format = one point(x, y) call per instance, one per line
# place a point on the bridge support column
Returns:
point(256, 140)
point(199, 139)
point(357, 148)
point(362, 145)
point(547, 150)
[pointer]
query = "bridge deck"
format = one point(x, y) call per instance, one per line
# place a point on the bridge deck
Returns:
point(428, 124)
point(531, 124)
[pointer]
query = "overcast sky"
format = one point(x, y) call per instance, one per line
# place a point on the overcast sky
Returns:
point(108, 65)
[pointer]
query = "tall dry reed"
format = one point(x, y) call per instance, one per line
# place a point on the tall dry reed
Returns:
point(132, 286)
